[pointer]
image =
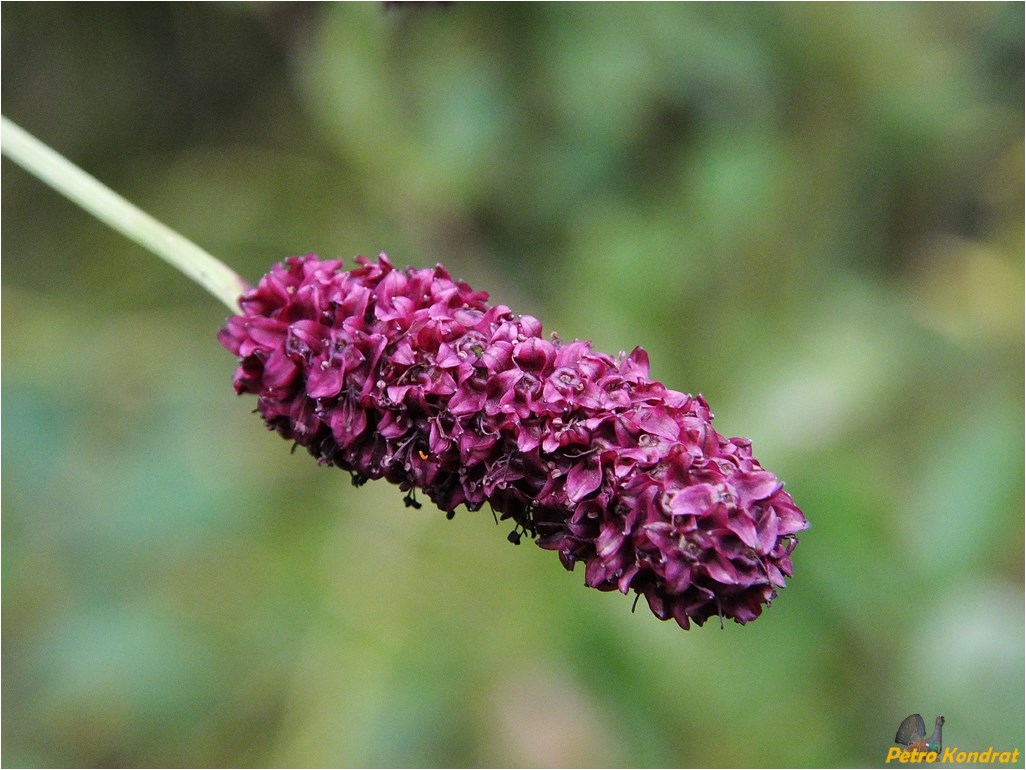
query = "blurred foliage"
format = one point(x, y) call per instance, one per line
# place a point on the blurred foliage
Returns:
point(813, 214)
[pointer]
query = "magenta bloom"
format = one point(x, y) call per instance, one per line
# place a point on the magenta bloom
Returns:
point(410, 376)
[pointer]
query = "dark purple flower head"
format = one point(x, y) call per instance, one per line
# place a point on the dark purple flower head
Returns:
point(410, 376)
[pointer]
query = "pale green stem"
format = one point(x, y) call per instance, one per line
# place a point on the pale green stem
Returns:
point(107, 206)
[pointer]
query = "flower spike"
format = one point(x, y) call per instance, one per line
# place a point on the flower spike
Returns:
point(412, 377)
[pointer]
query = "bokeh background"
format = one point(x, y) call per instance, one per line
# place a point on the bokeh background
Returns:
point(812, 214)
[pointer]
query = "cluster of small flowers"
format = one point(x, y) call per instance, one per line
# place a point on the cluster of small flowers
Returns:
point(412, 377)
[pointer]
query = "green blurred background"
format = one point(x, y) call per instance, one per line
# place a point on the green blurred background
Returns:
point(812, 214)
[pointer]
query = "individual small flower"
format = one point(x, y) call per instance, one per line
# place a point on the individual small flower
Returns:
point(412, 377)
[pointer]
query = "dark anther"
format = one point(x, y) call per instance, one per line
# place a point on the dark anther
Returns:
point(358, 480)
point(514, 537)
point(450, 515)
point(410, 501)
